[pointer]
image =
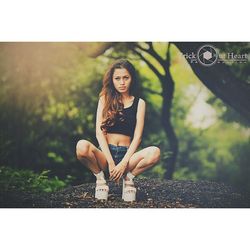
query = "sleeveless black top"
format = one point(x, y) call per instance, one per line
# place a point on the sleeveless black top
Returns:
point(127, 126)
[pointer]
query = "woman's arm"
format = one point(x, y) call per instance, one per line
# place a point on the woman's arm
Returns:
point(101, 137)
point(121, 167)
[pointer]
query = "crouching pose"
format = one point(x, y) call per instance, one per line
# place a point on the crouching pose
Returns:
point(119, 126)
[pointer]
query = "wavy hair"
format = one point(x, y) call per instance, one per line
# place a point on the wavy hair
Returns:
point(113, 106)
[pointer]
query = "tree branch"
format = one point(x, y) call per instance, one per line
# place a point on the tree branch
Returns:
point(156, 55)
point(150, 65)
point(152, 91)
point(152, 52)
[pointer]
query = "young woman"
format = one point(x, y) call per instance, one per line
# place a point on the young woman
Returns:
point(119, 126)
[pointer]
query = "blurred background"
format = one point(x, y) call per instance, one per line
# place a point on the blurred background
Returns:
point(198, 116)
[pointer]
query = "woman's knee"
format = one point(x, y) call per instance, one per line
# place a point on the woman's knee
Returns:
point(154, 155)
point(82, 148)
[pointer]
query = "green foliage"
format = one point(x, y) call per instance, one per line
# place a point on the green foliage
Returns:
point(184, 173)
point(238, 171)
point(46, 106)
point(27, 180)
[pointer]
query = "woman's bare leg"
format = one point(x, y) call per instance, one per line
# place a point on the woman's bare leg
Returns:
point(93, 158)
point(143, 160)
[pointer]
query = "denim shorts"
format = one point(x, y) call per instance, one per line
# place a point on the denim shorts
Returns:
point(117, 152)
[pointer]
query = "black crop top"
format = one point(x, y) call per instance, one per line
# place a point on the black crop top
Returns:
point(126, 127)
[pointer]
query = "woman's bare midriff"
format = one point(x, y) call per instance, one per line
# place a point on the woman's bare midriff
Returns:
point(118, 139)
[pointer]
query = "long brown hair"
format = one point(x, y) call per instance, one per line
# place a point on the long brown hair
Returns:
point(113, 99)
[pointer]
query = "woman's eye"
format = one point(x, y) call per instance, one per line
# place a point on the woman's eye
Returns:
point(118, 78)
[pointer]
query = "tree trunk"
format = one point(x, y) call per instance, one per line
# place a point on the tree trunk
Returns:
point(167, 94)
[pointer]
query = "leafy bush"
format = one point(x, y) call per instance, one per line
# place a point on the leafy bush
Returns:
point(27, 180)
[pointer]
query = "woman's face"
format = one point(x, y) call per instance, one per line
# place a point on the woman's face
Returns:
point(122, 80)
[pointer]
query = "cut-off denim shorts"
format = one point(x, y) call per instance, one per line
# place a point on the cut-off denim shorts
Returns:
point(117, 152)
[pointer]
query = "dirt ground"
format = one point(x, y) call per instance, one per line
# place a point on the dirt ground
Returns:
point(151, 193)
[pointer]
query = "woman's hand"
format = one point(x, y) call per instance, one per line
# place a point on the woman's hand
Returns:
point(111, 166)
point(118, 171)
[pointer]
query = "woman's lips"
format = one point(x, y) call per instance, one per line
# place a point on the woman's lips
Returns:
point(122, 88)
